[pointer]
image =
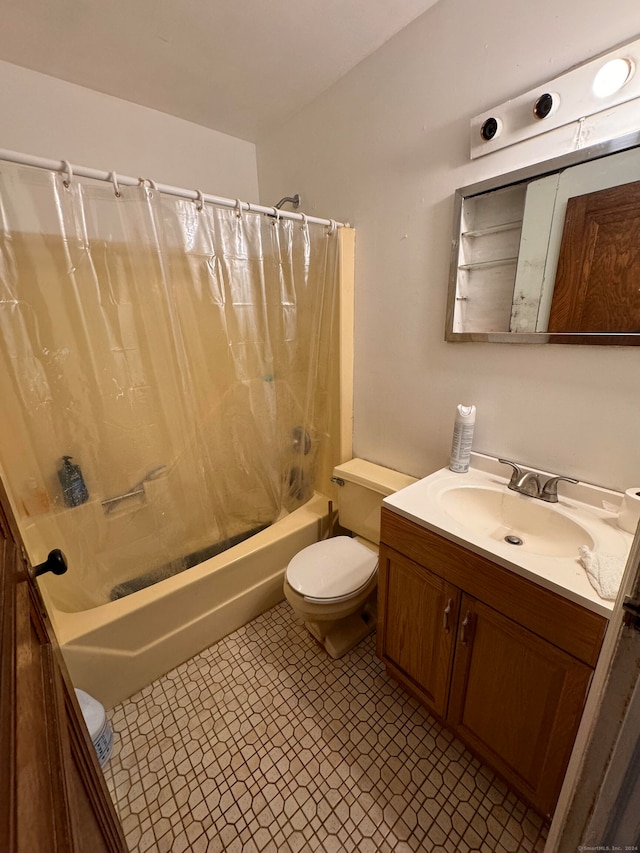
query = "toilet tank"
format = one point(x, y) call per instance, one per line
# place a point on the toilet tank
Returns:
point(360, 498)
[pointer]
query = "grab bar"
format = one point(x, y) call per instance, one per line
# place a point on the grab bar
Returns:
point(109, 503)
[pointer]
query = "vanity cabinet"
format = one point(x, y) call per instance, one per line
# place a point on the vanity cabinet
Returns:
point(503, 662)
point(423, 610)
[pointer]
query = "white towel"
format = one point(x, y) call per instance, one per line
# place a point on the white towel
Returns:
point(603, 570)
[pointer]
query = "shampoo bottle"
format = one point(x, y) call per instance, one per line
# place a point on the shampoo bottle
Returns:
point(462, 438)
point(74, 490)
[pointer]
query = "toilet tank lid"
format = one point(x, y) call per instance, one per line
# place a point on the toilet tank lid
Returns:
point(376, 477)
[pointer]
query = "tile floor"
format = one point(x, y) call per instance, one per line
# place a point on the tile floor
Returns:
point(264, 743)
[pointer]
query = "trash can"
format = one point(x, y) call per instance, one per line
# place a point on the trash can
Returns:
point(95, 718)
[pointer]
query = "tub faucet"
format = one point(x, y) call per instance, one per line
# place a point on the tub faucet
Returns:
point(528, 483)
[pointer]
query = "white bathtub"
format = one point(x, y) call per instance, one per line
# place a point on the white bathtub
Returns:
point(115, 649)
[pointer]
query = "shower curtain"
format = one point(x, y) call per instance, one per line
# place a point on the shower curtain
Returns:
point(180, 353)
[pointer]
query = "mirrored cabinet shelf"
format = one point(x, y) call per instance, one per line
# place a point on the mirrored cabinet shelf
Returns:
point(497, 262)
point(491, 225)
point(494, 229)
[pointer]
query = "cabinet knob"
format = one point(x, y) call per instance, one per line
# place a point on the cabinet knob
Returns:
point(56, 562)
point(447, 611)
point(464, 638)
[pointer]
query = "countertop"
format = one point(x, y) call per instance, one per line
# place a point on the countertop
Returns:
point(592, 506)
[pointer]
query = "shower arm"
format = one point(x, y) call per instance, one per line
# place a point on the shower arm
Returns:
point(289, 199)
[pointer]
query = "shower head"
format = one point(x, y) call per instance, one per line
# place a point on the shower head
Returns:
point(289, 199)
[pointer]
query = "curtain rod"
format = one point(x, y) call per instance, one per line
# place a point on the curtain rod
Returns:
point(65, 167)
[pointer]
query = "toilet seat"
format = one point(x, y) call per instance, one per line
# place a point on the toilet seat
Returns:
point(332, 570)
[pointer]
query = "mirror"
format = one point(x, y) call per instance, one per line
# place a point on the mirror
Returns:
point(551, 253)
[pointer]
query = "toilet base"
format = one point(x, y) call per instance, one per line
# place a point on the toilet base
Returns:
point(338, 626)
point(341, 636)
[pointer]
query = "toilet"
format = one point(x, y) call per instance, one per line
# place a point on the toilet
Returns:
point(332, 584)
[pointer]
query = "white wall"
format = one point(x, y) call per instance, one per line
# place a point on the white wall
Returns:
point(50, 118)
point(384, 149)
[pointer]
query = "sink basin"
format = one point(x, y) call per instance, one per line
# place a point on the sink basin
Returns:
point(477, 510)
point(525, 523)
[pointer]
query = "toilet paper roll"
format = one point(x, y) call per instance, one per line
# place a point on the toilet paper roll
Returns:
point(629, 514)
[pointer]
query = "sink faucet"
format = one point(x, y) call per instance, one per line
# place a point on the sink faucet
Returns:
point(528, 483)
point(550, 489)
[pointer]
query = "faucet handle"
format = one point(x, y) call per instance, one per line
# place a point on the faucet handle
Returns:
point(517, 472)
point(549, 491)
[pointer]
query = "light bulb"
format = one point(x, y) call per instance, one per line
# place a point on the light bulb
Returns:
point(611, 77)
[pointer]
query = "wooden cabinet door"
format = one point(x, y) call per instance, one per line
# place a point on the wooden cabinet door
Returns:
point(53, 797)
point(516, 700)
point(597, 287)
point(417, 618)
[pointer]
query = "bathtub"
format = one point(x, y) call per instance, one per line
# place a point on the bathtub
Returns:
point(115, 649)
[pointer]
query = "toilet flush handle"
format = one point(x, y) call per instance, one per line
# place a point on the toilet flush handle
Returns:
point(337, 480)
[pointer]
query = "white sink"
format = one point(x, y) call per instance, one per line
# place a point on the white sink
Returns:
point(478, 511)
point(520, 521)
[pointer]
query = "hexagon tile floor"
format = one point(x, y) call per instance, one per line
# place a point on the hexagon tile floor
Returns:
point(264, 743)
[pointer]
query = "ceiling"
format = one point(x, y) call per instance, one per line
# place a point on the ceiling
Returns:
point(238, 66)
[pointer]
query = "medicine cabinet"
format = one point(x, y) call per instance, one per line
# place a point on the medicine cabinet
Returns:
point(551, 253)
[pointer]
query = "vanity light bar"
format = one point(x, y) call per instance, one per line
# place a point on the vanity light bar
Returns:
point(609, 81)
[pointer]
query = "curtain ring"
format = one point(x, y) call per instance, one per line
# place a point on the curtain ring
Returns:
point(114, 180)
point(277, 214)
point(239, 204)
point(305, 220)
point(152, 184)
point(200, 201)
point(332, 227)
point(69, 170)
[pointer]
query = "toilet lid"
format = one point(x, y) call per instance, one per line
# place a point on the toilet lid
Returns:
point(332, 569)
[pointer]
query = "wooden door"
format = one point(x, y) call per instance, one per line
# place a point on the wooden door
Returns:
point(516, 700)
point(602, 805)
point(597, 286)
point(417, 619)
point(53, 797)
